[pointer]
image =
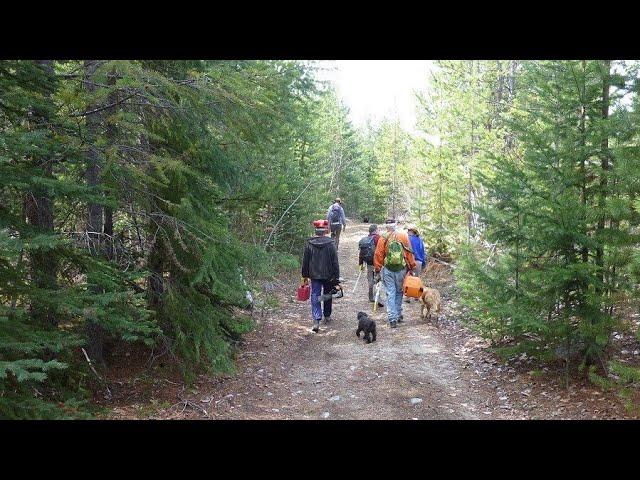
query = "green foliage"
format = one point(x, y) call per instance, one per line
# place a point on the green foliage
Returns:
point(622, 379)
point(140, 197)
point(461, 121)
point(561, 229)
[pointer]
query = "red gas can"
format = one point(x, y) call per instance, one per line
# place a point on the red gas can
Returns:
point(304, 292)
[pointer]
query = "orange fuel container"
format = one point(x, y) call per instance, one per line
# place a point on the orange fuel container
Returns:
point(412, 286)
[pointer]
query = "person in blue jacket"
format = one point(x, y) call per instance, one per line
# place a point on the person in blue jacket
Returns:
point(337, 220)
point(417, 245)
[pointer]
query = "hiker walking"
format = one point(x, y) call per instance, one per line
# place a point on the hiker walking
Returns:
point(367, 247)
point(420, 256)
point(320, 264)
point(392, 261)
point(337, 220)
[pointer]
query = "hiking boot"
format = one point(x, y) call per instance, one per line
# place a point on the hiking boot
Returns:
point(401, 319)
point(316, 326)
point(327, 319)
point(380, 305)
point(393, 324)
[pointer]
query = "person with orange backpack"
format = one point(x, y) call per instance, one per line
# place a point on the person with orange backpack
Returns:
point(393, 261)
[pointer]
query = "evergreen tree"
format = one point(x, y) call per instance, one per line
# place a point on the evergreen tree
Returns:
point(460, 120)
point(558, 220)
point(121, 173)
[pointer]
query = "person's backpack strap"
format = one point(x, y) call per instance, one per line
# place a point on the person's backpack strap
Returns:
point(387, 238)
point(408, 249)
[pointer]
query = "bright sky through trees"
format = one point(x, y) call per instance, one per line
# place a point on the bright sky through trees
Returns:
point(376, 89)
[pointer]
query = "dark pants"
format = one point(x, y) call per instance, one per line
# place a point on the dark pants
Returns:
point(370, 273)
point(335, 233)
point(319, 287)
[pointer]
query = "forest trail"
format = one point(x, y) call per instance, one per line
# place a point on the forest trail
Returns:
point(416, 371)
point(285, 371)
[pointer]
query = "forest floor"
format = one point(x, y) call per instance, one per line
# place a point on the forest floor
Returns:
point(418, 371)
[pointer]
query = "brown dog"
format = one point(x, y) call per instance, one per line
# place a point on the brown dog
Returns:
point(430, 300)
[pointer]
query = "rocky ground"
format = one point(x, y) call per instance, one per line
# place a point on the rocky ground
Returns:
point(418, 371)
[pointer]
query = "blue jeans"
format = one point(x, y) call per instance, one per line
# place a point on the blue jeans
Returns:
point(392, 282)
point(318, 287)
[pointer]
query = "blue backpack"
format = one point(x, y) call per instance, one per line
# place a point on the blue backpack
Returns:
point(335, 214)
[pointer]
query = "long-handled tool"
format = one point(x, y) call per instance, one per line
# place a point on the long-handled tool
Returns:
point(377, 297)
point(359, 275)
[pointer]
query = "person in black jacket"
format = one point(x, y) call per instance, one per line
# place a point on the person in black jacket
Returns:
point(366, 257)
point(320, 264)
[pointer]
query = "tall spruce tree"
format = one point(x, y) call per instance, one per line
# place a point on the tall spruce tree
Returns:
point(460, 121)
point(556, 216)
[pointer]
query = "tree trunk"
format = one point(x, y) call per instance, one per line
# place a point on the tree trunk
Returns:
point(155, 258)
point(511, 83)
point(583, 144)
point(112, 99)
point(604, 162)
point(394, 214)
point(472, 148)
point(155, 285)
point(500, 84)
point(94, 332)
point(38, 209)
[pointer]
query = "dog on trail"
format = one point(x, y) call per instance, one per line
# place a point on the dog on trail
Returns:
point(366, 325)
point(431, 301)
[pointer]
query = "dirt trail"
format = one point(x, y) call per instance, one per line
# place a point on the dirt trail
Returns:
point(416, 371)
point(287, 371)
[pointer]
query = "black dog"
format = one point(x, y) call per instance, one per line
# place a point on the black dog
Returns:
point(366, 325)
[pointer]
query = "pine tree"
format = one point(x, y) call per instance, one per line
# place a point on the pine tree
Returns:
point(117, 172)
point(460, 121)
point(556, 217)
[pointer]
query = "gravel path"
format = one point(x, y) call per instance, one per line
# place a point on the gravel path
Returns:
point(287, 371)
point(416, 371)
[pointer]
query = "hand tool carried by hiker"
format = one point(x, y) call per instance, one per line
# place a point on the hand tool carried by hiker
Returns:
point(375, 301)
point(335, 292)
point(359, 275)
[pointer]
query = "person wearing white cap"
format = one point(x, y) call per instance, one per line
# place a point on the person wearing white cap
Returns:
point(392, 261)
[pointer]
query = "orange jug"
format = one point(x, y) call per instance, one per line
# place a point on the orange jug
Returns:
point(412, 286)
